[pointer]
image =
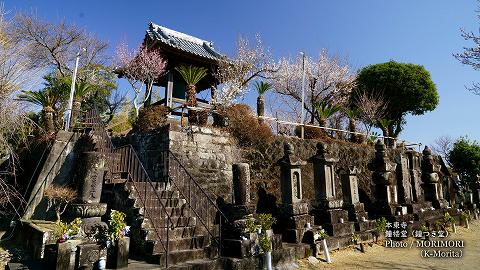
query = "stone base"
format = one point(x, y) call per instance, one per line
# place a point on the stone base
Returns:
point(61, 255)
point(88, 256)
point(331, 216)
point(297, 222)
point(356, 212)
point(385, 209)
point(340, 229)
point(363, 226)
point(236, 212)
point(293, 209)
point(416, 207)
point(440, 204)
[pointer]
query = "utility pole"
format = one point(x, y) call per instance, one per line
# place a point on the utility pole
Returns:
point(72, 92)
point(302, 120)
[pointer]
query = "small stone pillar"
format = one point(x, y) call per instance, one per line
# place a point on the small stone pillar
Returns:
point(90, 181)
point(328, 202)
point(431, 180)
point(293, 212)
point(476, 191)
point(415, 170)
point(241, 183)
point(351, 200)
point(236, 240)
point(384, 179)
point(405, 190)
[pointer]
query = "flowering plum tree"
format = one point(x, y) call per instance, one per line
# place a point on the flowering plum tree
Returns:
point(141, 67)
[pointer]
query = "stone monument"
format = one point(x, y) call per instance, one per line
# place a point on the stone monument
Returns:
point(351, 200)
point(385, 184)
point(431, 180)
point(328, 204)
point(293, 215)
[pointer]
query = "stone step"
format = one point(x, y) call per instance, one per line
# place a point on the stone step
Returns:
point(155, 204)
point(154, 247)
point(156, 185)
point(154, 194)
point(178, 232)
point(177, 257)
point(160, 221)
point(199, 264)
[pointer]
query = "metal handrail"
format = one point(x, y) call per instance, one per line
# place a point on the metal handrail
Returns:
point(134, 178)
point(139, 174)
point(198, 185)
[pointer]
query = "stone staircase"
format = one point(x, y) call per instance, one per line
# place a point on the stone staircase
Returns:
point(188, 244)
point(167, 226)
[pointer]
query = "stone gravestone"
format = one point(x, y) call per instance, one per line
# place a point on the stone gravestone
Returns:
point(405, 191)
point(476, 191)
point(431, 179)
point(90, 181)
point(89, 209)
point(293, 212)
point(237, 242)
point(351, 200)
point(241, 183)
point(384, 179)
point(415, 170)
point(328, 204)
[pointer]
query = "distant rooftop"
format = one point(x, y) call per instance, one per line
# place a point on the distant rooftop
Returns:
point(183, 42)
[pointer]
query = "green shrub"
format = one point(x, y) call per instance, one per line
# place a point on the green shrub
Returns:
point(66, 231)
point(381, 225)
point(117, 227)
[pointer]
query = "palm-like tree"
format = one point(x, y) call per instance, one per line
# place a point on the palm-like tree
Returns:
point(262, 87)
point(192, 75)
point(83, 91)
point(352, 115)
point(48, 99)
point(51, 98)
point(325, 110)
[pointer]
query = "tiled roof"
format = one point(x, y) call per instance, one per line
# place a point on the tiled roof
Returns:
point(183, 42)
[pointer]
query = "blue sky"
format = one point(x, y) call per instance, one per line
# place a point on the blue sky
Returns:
point(423, 32)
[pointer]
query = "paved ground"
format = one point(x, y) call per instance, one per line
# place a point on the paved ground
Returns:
point(379, 257)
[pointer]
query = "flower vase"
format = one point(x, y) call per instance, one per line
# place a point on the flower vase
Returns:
point(268, 260)
point(118, 254)
point(325, 250)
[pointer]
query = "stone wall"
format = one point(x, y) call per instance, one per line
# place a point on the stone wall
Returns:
point(207, 153)
point(264, 172)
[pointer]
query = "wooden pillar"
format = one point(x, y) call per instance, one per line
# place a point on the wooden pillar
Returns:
point(169, 90)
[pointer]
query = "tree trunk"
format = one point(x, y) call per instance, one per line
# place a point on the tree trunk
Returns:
point(135, 105)
point(48, 120)
point(75, 113)
point(260, 105)
point(148, 93)
point(192, 102)
point(352, 127)
point(213, 93)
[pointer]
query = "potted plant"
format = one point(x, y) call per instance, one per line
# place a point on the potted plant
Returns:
point(61, 254)
point(380, 228)
point(466, 218)
point(118, 242)
point(425, 232)
point(261, 226)
point(448, 219)
point(322, 235)
point(67, 231)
